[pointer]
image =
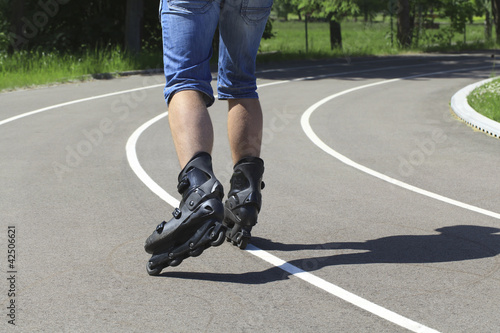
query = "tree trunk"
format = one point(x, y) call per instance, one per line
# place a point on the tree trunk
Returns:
point(16, 26)
point(306, 32)
point(404, 23)
point(487, 25)
point(335, 34)
point(133, 25)
point(495, 8)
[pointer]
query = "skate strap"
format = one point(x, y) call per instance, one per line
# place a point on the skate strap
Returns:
point(183, 185)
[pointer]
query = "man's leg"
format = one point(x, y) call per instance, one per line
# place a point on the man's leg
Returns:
point(188, 28)
point(244, 200)
point(190, 125)
point(241, 27)
point(244, 128)
point(197, 223)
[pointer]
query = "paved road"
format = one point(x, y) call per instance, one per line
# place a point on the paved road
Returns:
point(380, 213)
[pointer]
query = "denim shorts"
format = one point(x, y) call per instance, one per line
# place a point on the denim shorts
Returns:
point(188, 29)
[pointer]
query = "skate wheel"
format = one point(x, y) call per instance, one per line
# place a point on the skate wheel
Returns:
point(196, 252)
point(176, 262)
point(153, 271)
point(242, 238)
point(242, 243)
point(219, 240)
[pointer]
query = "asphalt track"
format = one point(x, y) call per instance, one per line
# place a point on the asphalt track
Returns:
point(381, 209)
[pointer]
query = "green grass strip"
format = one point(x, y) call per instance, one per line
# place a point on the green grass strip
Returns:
point(34, 68)
point(486, 99)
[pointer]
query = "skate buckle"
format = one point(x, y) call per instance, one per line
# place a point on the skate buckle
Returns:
point(160, 226)
point(177, 213)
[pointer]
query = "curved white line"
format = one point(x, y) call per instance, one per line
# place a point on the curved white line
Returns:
point(76, 101)
point(306, 126)
point(136, 166)
point(266, 256)
point(340, 292)
point(310, 278)
point(133, 161)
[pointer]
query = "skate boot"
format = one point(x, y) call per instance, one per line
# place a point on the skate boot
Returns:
point(196, 224)
point(244, 200)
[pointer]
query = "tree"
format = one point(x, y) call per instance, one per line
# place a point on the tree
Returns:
point(369, 8)
point(495, 8)
point(334, 11)
point(460, 12)
point(284, 7)
point(404, 33)
point(484, 7)
point(16, 25)
point(133, 25)
point(73, 26)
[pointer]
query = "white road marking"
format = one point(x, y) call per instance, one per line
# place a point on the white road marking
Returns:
point(266, 256)
point(76, 101)
point(306, 126)
point(293, 270)
point(133, 161)
point(339, 292)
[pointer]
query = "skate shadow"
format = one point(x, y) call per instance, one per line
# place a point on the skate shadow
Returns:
point(449, 244)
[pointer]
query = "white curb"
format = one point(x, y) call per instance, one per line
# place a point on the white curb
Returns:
point(464, 111)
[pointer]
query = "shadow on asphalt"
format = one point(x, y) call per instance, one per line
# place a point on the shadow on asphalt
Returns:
point(451, 244)
point(388, 67)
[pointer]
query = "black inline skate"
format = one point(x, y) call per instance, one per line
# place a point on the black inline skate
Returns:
point(196, 224)
point(244, 200)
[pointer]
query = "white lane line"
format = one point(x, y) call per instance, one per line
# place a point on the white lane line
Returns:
point(310, 278)
point(76, 101)
point(266, 256)
point(133, 161)
point(339, 292)
point(8, 120)
point(306, 126)
point(330, 288)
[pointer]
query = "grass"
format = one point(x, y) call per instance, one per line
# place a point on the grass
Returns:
point(25, 69)
point(358, 39)
point(362, 39)
point(486, 99)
